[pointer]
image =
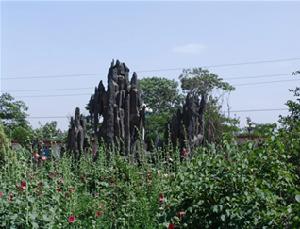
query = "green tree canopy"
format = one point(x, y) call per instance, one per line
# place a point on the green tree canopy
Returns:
point(201, 81)
point(160, 94)
point(12, 112)
point(49, 131)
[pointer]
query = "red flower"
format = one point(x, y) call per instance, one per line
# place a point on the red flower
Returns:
point(161, 198)
point(23, 185)
point(44, 158)
point(184, 153)
point(1, 194)
point(171, 226)
point(71, 219)
point(99, 214)
point(181, 214)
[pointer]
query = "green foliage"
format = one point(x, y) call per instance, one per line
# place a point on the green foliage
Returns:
point(4, 144)
point(225, 186)
point(13, 116)
point(162, 96)
point(293, 119)
point(49, 131)
point(12, 112)
point(217, 124)
point(233, 187)
point(21, 134)
point(290, 130)
point(201, 81)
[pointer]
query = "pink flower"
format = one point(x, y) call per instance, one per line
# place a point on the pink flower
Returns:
point(184, 153)
point(71, 219)
point(23, 185)
point(161, 198)
point(36, 156)
point(44, 158)
point(1, 194)
point(171, 226)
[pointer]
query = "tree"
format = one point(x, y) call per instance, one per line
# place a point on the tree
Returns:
point(292, 120)
point(12, 112)
point(160, 94)
point(290, 128)
point(13, 115)
point(202, 83)
point(49, 131)
point(162, 97)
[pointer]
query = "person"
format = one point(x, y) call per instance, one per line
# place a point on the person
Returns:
point(45, 151)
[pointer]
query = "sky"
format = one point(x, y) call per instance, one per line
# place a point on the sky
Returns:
point(78, 40)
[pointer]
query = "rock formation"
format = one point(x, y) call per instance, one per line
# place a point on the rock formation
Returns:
point(76, 135)
point(187, 125)
point(117, 114)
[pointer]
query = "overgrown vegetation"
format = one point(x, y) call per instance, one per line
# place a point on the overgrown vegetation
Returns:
point(222, 186)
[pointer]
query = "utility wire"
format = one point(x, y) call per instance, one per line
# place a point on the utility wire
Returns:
point(227, 65)
point(265, 82)
point(233, 111)
point(62, 95)
point(90, 88)
point(256, 76)
point(49, 76)
point(153, 70)
point(258, 110)
point(59, 95)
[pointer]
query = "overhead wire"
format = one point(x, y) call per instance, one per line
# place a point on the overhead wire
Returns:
point(153, 70)
point(89, 88)
point(78, 94)
point(231, 111)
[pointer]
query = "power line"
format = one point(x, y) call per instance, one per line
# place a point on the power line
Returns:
point(54, 89)
point(47, 117)
point(257, 76)
point(153, 70)
point(235, 111)
point(63, 95)
point(49, 76)
point(90, 88)
point(259, 110)
point(59, 95)
point(266, 82)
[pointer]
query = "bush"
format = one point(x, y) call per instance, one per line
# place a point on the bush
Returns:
point(222, 186)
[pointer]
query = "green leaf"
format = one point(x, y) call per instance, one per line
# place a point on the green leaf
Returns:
point(297, 198)
point(223, 218)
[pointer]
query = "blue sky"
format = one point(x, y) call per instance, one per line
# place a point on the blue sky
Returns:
point(57, 38)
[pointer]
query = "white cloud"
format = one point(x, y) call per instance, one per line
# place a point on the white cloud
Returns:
point(191, 48)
